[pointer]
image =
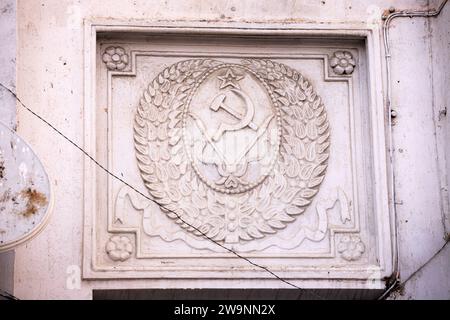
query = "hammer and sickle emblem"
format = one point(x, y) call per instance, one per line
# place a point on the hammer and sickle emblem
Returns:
point(245, 119)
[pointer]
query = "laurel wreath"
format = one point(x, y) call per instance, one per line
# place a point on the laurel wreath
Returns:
point(270, 206)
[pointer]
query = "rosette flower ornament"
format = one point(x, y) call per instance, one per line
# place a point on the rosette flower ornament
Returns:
point(351, 247)
point(342, 62)
point(119, 248)
point(115, 58)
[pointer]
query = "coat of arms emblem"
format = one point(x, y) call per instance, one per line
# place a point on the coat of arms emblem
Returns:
point(235, 149)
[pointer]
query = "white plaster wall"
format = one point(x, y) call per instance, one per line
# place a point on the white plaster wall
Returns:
point(50, 73)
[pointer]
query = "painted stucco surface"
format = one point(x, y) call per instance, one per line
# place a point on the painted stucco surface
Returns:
point(50, 80)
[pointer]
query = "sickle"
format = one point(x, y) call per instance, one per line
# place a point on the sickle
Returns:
point(246, 120)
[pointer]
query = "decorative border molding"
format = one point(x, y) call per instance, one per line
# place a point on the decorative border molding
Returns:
point(355, 274)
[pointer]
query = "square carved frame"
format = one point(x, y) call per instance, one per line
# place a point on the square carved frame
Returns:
point(350, 277)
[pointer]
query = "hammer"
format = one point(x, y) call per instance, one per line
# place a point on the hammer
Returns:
point(218, 103)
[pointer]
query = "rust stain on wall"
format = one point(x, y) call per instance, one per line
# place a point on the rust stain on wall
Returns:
point(35, 200)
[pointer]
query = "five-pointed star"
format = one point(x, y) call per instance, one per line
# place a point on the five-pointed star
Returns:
point(229, 79)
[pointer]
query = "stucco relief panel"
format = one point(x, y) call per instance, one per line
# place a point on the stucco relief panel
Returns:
point(258, 150)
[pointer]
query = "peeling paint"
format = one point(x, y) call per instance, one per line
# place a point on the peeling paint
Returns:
point(4, 197)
